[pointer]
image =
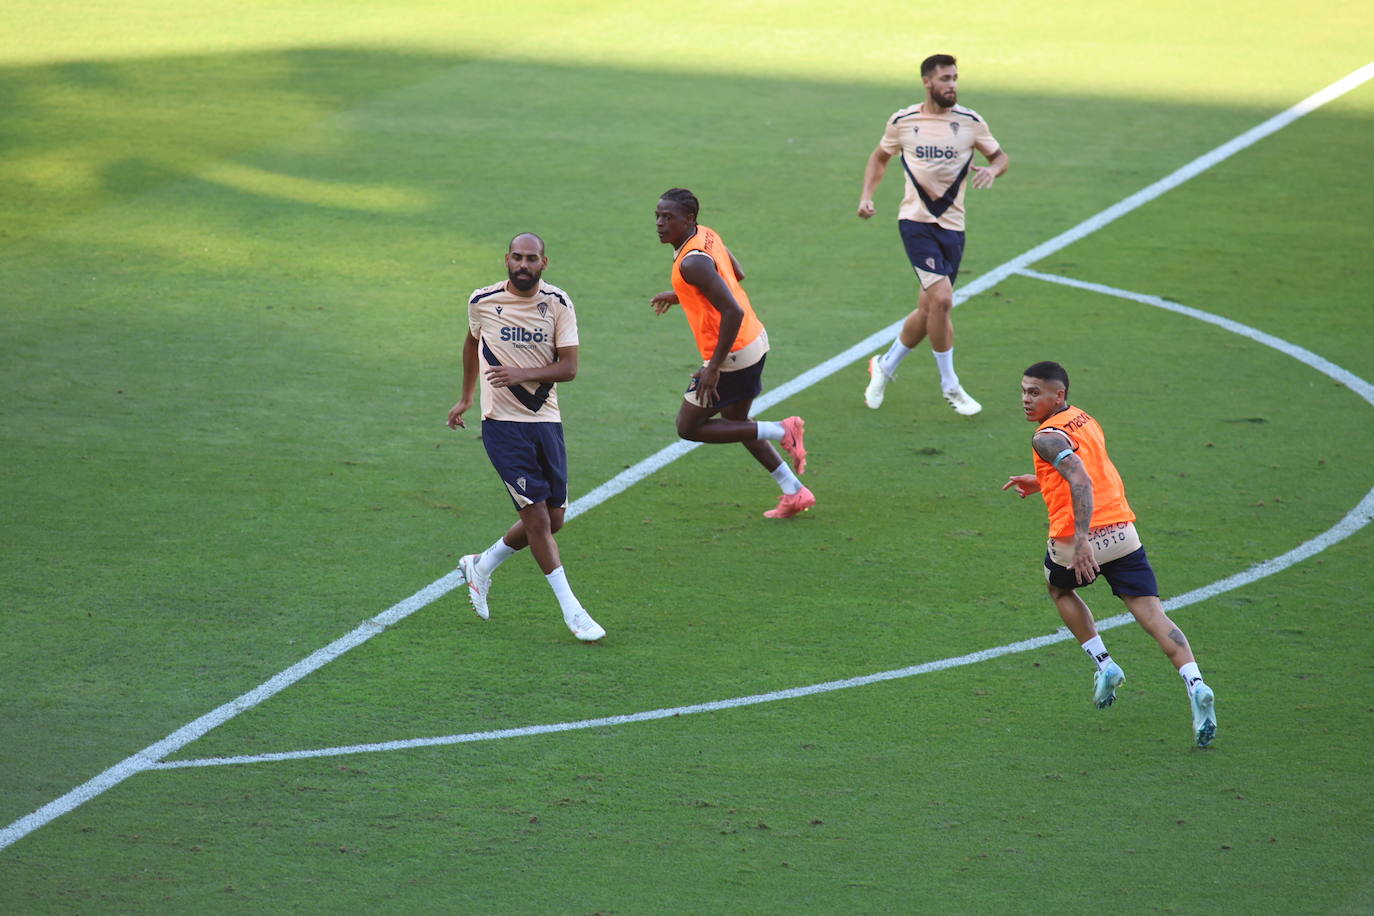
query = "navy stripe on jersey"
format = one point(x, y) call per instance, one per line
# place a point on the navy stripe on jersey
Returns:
point(946, 200)
point(478, 298)
point(959, 111)
point(533, 401)
point(548, 292)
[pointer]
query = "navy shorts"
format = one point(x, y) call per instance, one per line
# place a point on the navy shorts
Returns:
point(530, 459)
point(741, 385)
point(1130, 576)
point(932, 248)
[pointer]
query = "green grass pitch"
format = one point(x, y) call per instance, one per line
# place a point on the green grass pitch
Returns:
point(235, 244)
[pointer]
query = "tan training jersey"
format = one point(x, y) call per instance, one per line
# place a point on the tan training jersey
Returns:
point(513, 330)
point(936, 153)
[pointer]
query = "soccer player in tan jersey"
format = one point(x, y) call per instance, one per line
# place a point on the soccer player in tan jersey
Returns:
point(522, 337)
point(935, 142)
point(1092, 532)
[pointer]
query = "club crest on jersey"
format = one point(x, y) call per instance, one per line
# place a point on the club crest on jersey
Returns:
point(954, 128)
point(543, 310)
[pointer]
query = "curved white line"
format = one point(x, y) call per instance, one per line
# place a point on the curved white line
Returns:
point(1356, 519)
point(1353, 521)
point(1321, 364)
point(148, 757)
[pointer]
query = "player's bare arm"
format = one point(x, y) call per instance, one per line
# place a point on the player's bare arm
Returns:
point(1050, 445)
point(985, 175)
point(734, 265)
point(664, 301)
point(699, 271)
point(873, 175)
point(470, 366)
point(562, 369)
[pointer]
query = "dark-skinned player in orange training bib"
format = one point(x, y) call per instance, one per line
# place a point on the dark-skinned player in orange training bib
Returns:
point(733, 344)
point(1092, 533)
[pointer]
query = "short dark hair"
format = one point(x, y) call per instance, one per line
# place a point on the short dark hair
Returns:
point(1050, 371)
point(684, 199)
point(936, 60)
point(520, 235)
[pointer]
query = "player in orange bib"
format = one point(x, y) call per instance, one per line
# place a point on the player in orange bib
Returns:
point(733, 344)
point(1092, 532)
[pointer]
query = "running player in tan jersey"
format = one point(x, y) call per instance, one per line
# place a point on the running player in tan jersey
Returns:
point(935, 142)
point(733, 345)
point(522, 338)
point(1092, 532)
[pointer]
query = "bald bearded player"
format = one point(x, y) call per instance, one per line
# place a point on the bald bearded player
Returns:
point(521, 342)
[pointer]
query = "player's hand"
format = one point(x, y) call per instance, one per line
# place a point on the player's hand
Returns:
point(1085, 568)
point(1025, 484)
point(708, 380)
point(866, 209)
point(663, 301)
point(983, 177)
point(455, 414)
point(505, 376)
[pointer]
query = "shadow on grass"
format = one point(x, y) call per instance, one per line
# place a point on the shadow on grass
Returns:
point(190, 354)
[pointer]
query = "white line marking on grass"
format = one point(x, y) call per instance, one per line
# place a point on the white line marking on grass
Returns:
point(1326, 367)
point(1356, 519)
point(148, 757)
point(183, 736)
point(1087, 227)
point(1353, 521)
point(667, 713)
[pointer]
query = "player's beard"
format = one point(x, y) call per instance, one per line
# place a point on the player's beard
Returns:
point(523, 280)
point(946, 99)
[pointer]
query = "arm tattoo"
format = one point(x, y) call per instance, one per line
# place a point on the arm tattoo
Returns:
point(1081, 487)
point(1049, 444)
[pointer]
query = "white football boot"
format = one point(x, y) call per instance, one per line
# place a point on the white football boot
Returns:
point(877, 381)
point(959, 399)
point(478, 584)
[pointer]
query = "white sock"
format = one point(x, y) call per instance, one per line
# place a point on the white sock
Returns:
point(769, 430)
point(1191, 675)
point(890, 360)
point(494, 556)
point(786, 479)
point(558, 581)
point(944, 361)
point(1097, 651)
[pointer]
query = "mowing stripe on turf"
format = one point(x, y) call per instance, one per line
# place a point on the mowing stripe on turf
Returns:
point(149, 756)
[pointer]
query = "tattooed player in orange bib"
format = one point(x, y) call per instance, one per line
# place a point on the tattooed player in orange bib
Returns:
point(1092, 533)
